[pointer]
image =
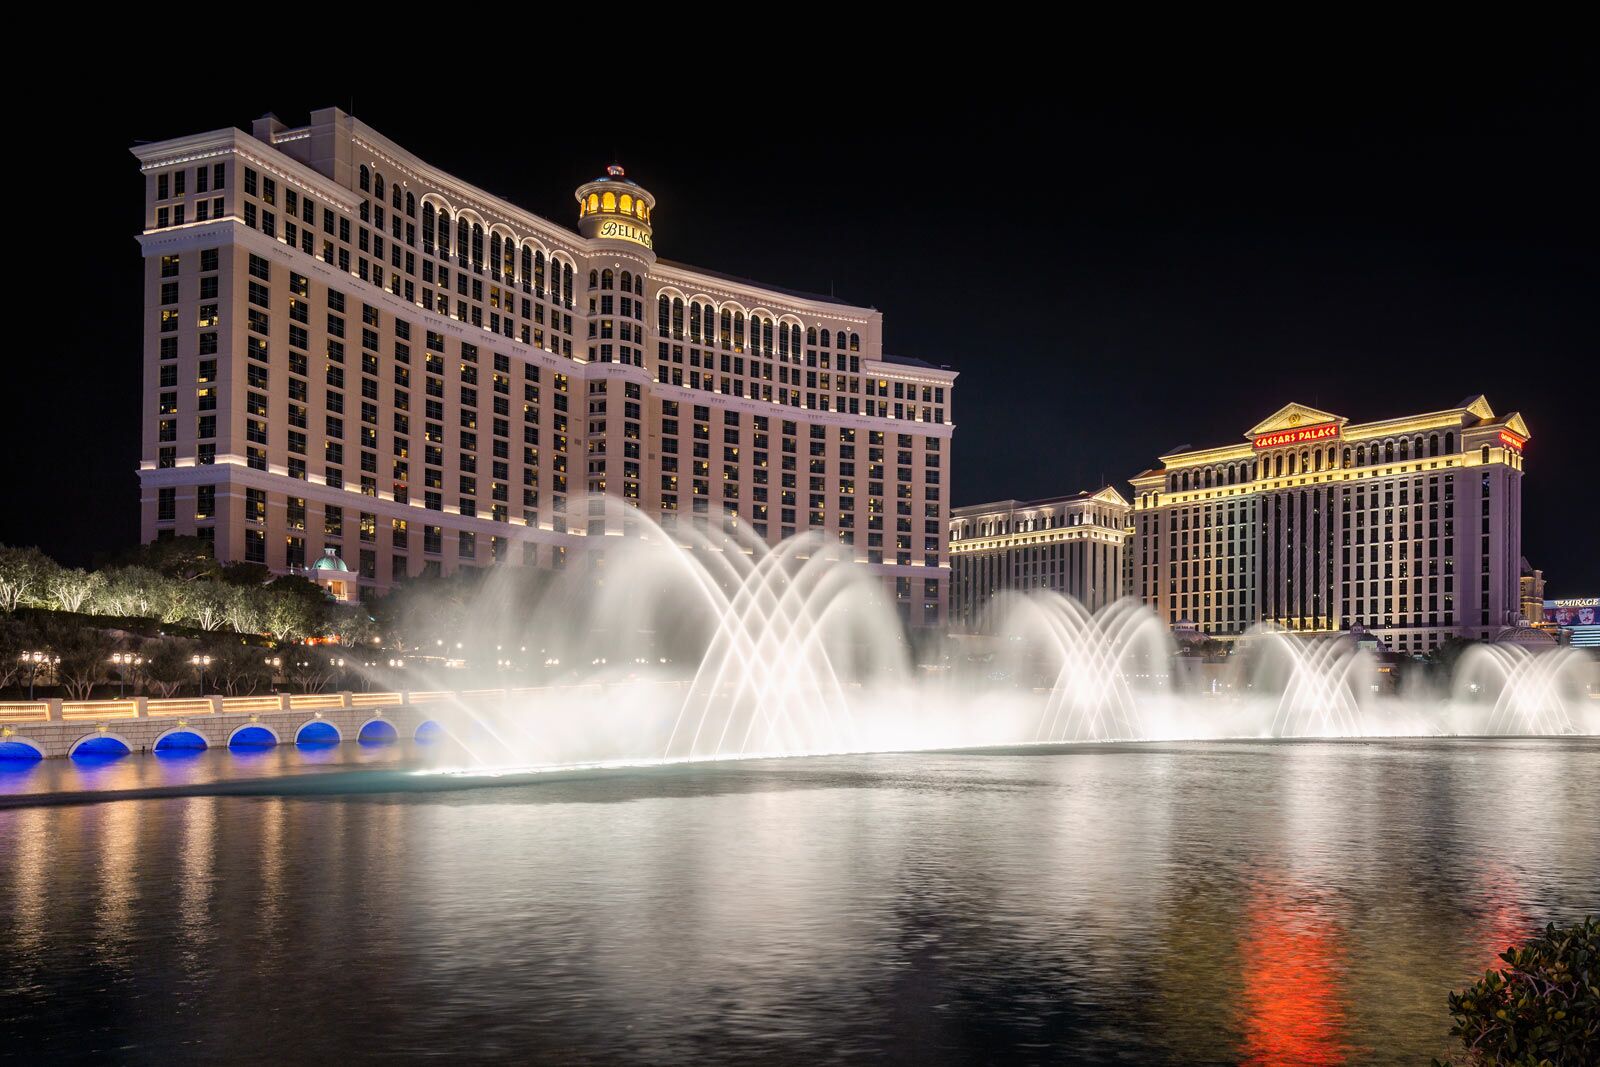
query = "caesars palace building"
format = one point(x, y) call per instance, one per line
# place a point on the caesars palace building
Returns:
point(356, 360)
point(1410, 527)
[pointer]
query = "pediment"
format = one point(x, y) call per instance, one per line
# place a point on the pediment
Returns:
point(1294, 416)
point(1109, 495)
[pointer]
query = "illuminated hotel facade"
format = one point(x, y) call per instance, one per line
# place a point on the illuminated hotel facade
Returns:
point(1410, 527)
point(1072, 545)
point(349, 349)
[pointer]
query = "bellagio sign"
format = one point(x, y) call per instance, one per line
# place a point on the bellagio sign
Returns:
point(1298, 436)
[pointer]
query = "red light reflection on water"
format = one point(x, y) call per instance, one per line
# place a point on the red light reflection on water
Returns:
point(1292, 962)
point(1502, 921)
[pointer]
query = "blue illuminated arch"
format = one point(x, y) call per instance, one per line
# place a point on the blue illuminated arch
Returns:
point(20, 748)
point(252, 735)
point(377, 732)
point(100, 747)
point(181, 739)
point(318, 732)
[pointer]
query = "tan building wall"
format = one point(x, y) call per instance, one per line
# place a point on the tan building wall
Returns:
point(1072, 545)
point(1411, 527)
point(346, 348)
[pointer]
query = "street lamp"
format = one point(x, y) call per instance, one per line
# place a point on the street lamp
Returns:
point(200, 664)
point(124, 660)
point(35, 660)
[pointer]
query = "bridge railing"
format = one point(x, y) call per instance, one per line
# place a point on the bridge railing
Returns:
point(52, 710)
point(161, 709)
point(25, 711)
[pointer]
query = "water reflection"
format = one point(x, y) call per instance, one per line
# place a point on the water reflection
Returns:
point(1291, 957)
point(1167, 903)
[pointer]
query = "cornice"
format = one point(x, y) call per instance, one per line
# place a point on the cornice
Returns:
point(221, 143)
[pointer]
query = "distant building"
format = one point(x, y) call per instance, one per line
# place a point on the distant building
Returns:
point(1073, 545)
point(1578, 619)
point(1532, 594)
point(1411, 527)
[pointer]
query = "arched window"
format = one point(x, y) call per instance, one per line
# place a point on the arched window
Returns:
point(625, 205)
point(627, 281)
point(1450, 444)
point(463, 237)
point(663, 314)
point(538, 271)
point(411, 205)
point(855, 342)
point(594, 279)
point(608, 202)
point(839, 338)
point(527, 267)
point(1486, 453)
point(366, 179)
point(427, 228)
point(444, 233)
point(377, 187)
point(594, 202)
point(477, 247)
point(607, 279)
point(811, 336)
point(638, 208)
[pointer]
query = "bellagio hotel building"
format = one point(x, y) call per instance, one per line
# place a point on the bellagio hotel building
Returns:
point(349, 350)
point(1410, 527)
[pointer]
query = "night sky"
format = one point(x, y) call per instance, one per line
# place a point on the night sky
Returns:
point(1126, 261)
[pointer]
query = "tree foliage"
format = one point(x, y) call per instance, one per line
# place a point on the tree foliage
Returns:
point(176, 582)
point(1541, 1008)
point(85, 656)
point(166, 664)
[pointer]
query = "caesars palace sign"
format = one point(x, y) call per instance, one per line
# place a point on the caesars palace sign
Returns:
point(1298, 435)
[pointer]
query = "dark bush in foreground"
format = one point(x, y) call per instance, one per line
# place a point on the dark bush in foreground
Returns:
point(1542, 1007)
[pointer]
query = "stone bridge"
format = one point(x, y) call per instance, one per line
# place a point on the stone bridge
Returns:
point(55, 728)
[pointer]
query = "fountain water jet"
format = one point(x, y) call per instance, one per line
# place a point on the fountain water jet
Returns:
point(689, 643)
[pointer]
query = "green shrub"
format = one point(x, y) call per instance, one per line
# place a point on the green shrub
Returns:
point(1542, 1007)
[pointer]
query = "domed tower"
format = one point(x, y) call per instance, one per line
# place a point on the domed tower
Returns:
point(616, 208)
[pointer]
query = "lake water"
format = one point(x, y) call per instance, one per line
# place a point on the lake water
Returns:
point(1298, 903)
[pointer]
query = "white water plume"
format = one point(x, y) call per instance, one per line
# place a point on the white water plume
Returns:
point(696, 644)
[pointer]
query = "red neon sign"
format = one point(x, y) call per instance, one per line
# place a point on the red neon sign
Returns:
point(1511, 439)
point(1298, 436)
